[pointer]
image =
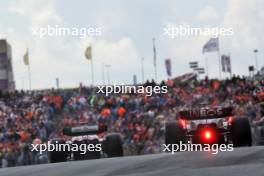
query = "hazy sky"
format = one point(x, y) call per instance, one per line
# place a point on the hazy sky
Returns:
point(127, 32)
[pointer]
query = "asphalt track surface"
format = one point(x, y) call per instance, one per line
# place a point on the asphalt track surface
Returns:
point(247, 161)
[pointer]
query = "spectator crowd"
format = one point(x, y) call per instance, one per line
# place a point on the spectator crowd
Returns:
point(38, 116)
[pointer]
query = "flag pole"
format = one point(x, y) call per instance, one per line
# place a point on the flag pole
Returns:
point(142, 69)
point(154, 55)
point(22, 82)
point(207, 69)
point(107, 66)
point(103, 73)
point(88, 55)
point(219, 58)
point(27, 63)
point(230, 66)
point(92, 72)
point(29, 76)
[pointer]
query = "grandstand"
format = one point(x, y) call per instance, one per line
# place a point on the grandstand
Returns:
point(36, 117)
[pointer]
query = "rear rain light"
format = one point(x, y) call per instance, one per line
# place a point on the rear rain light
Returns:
point(207, 135)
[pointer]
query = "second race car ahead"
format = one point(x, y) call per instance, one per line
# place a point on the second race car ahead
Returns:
point(87, 142)
point(208, 125)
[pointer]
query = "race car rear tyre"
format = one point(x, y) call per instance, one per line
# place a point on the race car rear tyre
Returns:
point(77, 154)
point(84, 153)
point(113, 145)
point(241, 132)
point(94, 154)
point(58, 156)
point(174, 133)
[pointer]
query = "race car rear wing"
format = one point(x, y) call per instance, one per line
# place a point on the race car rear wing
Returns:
point(84, 130)
point(206, 113)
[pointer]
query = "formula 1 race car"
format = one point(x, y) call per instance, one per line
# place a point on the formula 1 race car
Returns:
point(209, 126)
point(86, 142)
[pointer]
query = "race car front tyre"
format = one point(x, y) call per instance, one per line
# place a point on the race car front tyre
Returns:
point(241, 132)
point(113, 145)
point(58, 156)
point(174, 133)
